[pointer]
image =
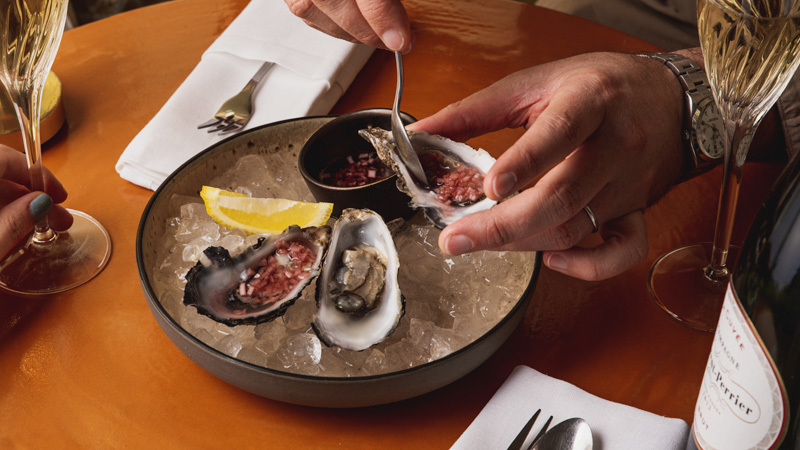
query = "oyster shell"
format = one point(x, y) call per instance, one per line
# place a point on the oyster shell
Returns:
point(358, 296)
point(455, 173)
point(259, 284)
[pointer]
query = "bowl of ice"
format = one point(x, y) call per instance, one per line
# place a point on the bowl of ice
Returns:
point(458, 310)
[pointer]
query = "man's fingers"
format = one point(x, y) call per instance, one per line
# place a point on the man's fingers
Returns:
point(511, 226)
point(389, 21)
point(624, 245)
point(546, 216)
point(378, 23)
point(504, 104)
point(315, 18)
point(556, 127)
point(555, 133)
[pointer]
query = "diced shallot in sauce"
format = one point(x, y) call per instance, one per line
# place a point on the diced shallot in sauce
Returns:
point(453, 183)
point(273, 279)
point(350, 172)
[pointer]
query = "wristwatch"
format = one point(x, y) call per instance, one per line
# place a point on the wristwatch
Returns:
point(702, 127)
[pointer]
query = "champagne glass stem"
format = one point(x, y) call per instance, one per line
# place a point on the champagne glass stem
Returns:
point(48, 262)
point(738, 136)
point(28, 114)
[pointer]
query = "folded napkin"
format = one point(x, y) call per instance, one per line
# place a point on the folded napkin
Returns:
point(614, 426)
point(312, 71)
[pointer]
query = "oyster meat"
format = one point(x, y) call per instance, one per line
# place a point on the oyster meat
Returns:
point(259, 284)
point(358, 296)
point(454, 171)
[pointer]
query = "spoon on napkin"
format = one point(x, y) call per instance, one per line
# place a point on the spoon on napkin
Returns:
point(571, 434)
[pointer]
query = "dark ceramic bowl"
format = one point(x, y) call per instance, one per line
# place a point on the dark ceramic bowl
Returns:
point(284, 138)
point(339, 139)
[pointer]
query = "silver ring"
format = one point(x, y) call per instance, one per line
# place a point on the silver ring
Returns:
point(590, 213)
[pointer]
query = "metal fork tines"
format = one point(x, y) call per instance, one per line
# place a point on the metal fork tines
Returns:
point(234, 114)
point(519, 441)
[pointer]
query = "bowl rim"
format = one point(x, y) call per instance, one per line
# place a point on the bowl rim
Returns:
point(155, 303)
point(308, 177)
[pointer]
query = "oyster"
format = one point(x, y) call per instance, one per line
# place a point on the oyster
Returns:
point(455, 173)
point(358, 296)
point(259, 284)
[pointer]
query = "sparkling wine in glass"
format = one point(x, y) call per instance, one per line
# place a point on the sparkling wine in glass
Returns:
point(751, 50)
point(48, 262)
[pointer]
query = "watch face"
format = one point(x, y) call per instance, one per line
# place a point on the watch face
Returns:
point(708, 129)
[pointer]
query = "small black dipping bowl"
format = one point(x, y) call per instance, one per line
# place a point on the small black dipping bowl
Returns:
point(338, 139)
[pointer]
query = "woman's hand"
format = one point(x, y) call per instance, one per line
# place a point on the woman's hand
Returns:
point(602, 130)
point(20, 208)
point(379, 23)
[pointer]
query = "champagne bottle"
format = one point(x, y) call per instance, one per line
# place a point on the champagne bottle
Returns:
point(750, 394)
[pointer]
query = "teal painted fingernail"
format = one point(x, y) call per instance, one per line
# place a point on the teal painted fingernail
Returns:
point(41, 207)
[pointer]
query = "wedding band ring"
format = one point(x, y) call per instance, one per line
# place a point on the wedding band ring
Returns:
point(590, 213)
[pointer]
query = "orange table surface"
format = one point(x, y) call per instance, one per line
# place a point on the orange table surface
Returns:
point(91, 368)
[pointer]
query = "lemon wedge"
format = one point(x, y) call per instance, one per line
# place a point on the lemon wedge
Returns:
point(262, 215)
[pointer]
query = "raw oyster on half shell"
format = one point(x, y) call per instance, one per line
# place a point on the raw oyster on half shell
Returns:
point(455, 173)
point(358, 296)
point(259, 284)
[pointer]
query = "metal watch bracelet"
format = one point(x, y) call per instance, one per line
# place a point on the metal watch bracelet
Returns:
point(697, 96)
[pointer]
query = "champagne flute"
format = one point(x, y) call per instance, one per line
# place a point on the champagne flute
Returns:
point(751, 50)
point(48, 262)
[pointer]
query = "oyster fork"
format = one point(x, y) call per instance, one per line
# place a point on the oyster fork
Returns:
point(519, 441)
point(234, 114)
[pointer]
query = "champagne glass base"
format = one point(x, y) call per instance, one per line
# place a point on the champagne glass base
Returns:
point(75, 257)
point(679, 285)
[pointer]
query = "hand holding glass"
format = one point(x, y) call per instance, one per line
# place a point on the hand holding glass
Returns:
point(48, 262)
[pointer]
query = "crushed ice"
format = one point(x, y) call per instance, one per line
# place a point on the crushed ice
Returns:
point(450, 301)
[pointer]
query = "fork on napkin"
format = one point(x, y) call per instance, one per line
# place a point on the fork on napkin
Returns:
point(312, 71)
point(614, 425)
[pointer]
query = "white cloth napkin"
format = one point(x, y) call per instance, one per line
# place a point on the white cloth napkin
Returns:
point(614, 426)
point(312, 71)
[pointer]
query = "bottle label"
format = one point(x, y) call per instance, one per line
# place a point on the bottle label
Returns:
point(742, 402)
